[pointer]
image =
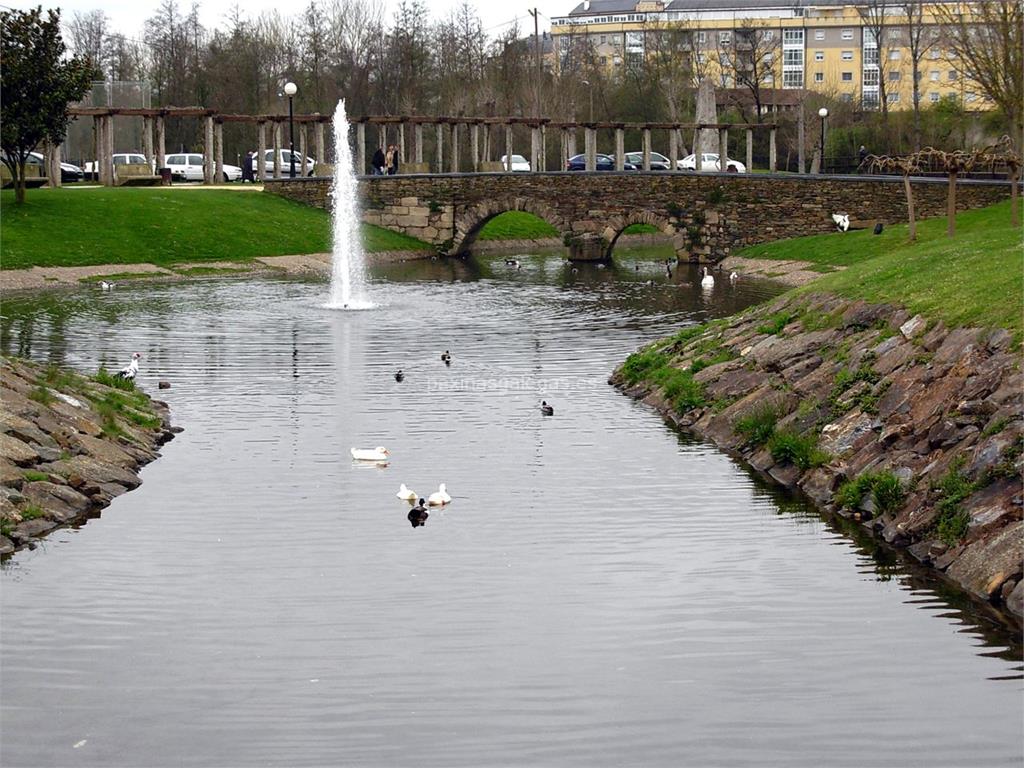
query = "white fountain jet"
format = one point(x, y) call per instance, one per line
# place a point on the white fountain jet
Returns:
point(348, 272)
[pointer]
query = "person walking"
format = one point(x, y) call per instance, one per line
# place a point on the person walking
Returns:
point(377, 163)
point(247, 169)
point(392, 160)
point(862, 154)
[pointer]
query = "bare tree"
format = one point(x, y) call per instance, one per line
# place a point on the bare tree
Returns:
point(987, 40)
point(920, 38)
point(87, 35)
point(874, 16)
point(752, 54)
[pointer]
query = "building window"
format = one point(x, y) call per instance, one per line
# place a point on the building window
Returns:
point(870, 77)
point(725, 37)
point(933, 76)
point(604, 60)
point(702, 37)
point(935, 53)
point(847, 77)
point(894, 55)
point(933, 96)
point(847, 97)
point(892, 98)
point(819, 77)
point(847, 34)
point(952, 75)
point(819, 34)
point(769, 34)
point(847, 56)
point(894, 77)
point(819, 55)
point(792, 79)
point(604, 39)
point(970, 97)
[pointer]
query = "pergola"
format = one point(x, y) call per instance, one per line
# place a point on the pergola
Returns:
point(407, 131)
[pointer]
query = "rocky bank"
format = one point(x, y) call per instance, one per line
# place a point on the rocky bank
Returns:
point(68, 445)
point(910, 427)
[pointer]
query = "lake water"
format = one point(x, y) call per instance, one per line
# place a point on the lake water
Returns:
point(603, 591)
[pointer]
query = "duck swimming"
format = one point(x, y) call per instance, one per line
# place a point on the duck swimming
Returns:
point(405, 494)
point(439, 497)
point(370, 454)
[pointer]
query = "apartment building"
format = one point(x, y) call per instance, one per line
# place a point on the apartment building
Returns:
point(854, 52)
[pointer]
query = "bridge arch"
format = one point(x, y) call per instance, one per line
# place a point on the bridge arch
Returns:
point(616, 225)
point(470, 221)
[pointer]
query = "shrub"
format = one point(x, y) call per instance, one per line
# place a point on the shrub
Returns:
point(640, 365)
point(108, 379)
point(33, 475)
point(801, 450)
point(885, 488)
point(41, 395)
point(759, 425)
point(952, 521)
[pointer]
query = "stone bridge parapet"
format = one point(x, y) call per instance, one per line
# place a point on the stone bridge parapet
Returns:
point(706, 215)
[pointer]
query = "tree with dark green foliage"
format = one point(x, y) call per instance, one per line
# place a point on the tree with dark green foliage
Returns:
point(37, 82)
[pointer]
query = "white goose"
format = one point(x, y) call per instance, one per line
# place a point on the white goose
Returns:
point(370, 454)
point(707, 281)
point(439, 497)
point(842, 221)
point(129, 371)
point(405, 494)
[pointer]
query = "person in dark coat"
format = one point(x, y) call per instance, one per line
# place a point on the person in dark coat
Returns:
point(247, 169)
point(377, 163)
point(863, 154)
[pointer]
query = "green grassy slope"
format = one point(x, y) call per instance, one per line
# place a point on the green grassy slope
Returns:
point(76, 227)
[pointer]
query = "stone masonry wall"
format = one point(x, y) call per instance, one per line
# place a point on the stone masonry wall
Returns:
point(707, 215)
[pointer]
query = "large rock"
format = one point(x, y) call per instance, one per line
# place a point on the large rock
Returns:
point(985, 565)
point(17, 452)
point(85, 472)
point(106, 451)
point(58, 501)
point(848, 435)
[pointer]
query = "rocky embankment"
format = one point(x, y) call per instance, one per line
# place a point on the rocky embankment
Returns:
point(910, 427)
point(68, 445)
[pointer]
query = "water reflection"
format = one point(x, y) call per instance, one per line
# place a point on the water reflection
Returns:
point(653, 602)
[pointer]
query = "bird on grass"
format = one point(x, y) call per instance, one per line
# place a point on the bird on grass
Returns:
point(439, 497)
point(842, 221)
point(545, 409)
point(128, 372)
point(399, 375)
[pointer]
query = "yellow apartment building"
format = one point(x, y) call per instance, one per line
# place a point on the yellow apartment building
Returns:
point(854, 52)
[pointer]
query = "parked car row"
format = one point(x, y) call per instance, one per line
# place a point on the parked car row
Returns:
point(635, 161)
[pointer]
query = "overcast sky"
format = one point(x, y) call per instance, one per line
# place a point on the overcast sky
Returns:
point(128, 16)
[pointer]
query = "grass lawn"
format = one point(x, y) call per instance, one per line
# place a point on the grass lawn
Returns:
point(973, 279)
point(78, 227)
point(517, 225)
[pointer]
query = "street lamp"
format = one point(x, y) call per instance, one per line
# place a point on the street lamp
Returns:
point(822, 113)
point(590, 91)
point(290, 89)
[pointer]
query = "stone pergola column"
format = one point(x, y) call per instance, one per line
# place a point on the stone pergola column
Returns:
point(750, 149)
point(772, 152)
point(401, 144)
point(535, 148)
point(723, 149)
point(417, 135)
point(318, 140)
point(439, 147)
point(147, 140)
point(590, 143)
point(543, 147)
point(261, 150)
point(486, 156)
point(647, 148)
point(218, 151)
point(454, 133)
point(474, 146)
point(161, 142)
point(51, 158)
point(276, 133)
point(620, 149)
point(508, 148)
point(208, 150)
point(571, 145)
point(673, 149)
point(563, 148)
point(698, 150)
point(303, 148)
point(106, 151)
point(382, 137)
point(800, 139)
point(360, 149)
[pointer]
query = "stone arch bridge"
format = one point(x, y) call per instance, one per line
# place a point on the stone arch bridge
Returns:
point(706, 215)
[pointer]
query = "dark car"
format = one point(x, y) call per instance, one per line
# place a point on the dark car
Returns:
point(658, 162)
point(604, 163)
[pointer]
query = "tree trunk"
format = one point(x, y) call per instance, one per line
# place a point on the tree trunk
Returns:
point(951, 206)
point(19, 181)
point(911, 223)
point(1014, 181)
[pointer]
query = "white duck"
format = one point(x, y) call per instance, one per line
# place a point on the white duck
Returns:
point(707, 281)
point(129, 371)
point(439, 497)
point(405, 494)
point(370, 454)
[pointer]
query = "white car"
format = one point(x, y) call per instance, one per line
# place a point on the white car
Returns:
point(120, 158)
point(187, 166)
point(519, 163)
point(286, 157)
point(689, 163)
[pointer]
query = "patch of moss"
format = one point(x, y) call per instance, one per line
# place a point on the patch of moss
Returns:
point(800, 450)
point(758, 426)
point(774, 325)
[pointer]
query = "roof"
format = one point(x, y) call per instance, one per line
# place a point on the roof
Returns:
point(600, 7)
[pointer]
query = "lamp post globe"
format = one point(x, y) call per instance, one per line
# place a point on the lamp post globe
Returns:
point(822, 113)
point(291, 89)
